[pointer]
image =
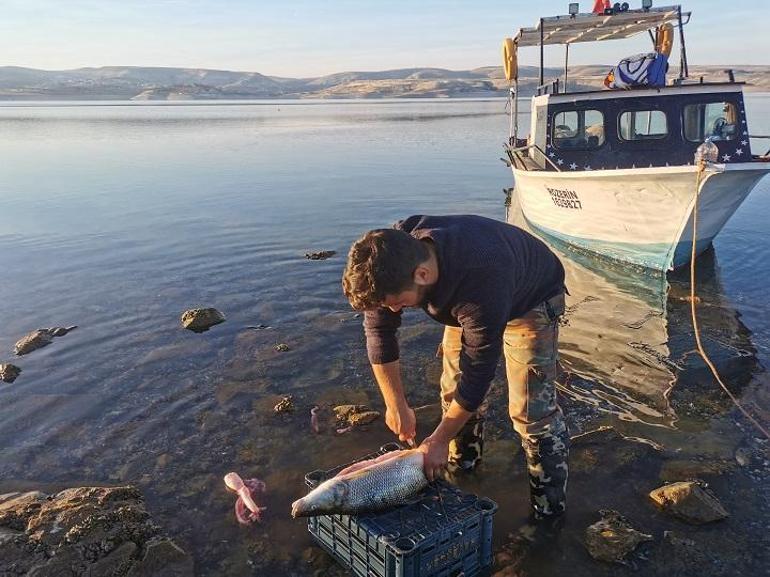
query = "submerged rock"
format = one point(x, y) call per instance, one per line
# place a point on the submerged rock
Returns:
point(282, 347)
point(363, 418)
point(9, 372)
point(39, 339)
point(285, 405)
point(689, 501)
point(95, 531)
point(320, 255)
point(613, 537)
point(342, 412)
point(201, 320)
point(354, 415)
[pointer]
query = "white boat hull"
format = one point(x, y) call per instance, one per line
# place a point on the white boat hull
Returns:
point(642, 215)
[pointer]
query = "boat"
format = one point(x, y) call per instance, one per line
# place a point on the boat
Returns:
point(613, 171)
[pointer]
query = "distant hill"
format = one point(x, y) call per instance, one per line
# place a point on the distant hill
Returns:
point(155, 83)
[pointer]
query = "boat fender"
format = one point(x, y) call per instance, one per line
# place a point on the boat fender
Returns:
point(510, 64)
point(665, 39)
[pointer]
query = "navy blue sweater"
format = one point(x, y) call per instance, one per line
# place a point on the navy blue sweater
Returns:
point(490, 272)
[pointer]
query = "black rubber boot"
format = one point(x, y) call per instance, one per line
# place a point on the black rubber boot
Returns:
point(466, 449)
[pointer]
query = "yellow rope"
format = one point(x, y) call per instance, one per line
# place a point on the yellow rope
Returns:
point(701, 168)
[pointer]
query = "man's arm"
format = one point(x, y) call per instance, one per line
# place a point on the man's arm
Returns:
point(399, 416)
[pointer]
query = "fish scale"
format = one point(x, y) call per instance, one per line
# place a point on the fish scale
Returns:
point(377, 489)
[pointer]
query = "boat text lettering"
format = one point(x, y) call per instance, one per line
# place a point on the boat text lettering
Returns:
point(565, 198)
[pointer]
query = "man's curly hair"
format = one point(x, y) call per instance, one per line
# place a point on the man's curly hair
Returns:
point(380, 263)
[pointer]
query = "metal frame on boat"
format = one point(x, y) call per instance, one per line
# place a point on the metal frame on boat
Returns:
point(612, 171)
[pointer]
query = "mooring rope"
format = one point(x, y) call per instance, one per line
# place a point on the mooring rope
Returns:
point(696, 329)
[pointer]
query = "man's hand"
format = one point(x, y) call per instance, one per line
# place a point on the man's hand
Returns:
point(436, 447)
point(402, 422)
point(436, 455)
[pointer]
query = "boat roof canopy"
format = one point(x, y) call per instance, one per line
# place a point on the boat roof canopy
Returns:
point(597, 27)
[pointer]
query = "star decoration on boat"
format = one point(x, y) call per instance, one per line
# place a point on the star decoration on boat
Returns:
point(739, 151)
point(726, 157)
point(587, 167)
point(551, 154)
point(744, 142)
point(573, 166)
point(559, 161)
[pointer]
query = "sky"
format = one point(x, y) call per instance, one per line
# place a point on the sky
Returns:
point(306, 38)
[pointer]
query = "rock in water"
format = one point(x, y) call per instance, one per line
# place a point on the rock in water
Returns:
point(95, 531)
point(363, 418)
point(387, 481)
point(201, 320)
point(690, 501)
point(320, 255)
point(343, 412)
point(39, 338)
point(285, 405)
point(9, 372)
point(612, 538)
point(354, 415)
point(33, 341)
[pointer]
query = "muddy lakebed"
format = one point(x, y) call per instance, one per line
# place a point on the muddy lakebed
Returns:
point(144, 212)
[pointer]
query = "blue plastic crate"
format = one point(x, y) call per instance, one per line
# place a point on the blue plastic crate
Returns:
point(442, 532)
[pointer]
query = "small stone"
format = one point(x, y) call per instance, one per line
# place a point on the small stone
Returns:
point(343, 412)
point(39, 339)
point(282, 347)
point(742, 456)
point(320, 255)
point(613, 537)
point(9, 372)
point(200, 320)
point(33, 341)
point(363, 418)
point(689, 501)
point(285, 405)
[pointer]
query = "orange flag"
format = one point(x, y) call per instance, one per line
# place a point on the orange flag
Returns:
point(600, 5)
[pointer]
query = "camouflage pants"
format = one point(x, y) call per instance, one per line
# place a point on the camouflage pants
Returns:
point(530, 345)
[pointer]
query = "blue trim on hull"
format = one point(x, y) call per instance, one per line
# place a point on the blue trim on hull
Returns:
point(684, 250)
point(655, 255)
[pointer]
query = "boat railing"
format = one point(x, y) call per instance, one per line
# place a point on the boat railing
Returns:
point(553, 86)
point(515, 154)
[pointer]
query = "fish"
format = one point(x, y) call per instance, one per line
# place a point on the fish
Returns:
point(367, 486)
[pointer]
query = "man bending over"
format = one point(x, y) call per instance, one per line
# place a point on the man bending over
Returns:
point(497, 289)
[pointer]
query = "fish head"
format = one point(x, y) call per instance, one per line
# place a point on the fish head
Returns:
point(327, 498)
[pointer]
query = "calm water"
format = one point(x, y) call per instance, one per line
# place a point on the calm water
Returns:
point(118, 218)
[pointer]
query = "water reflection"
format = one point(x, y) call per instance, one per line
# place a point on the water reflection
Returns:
point(627, 343)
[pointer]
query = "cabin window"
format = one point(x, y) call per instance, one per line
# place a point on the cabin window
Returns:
point(578, 130)
point(643, 125)
point(715, 120)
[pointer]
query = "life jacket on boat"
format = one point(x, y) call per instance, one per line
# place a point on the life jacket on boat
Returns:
point(600, 6)
point(647, 69)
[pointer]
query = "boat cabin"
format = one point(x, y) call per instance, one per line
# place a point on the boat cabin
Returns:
point(638, 128)
point(642, 119)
